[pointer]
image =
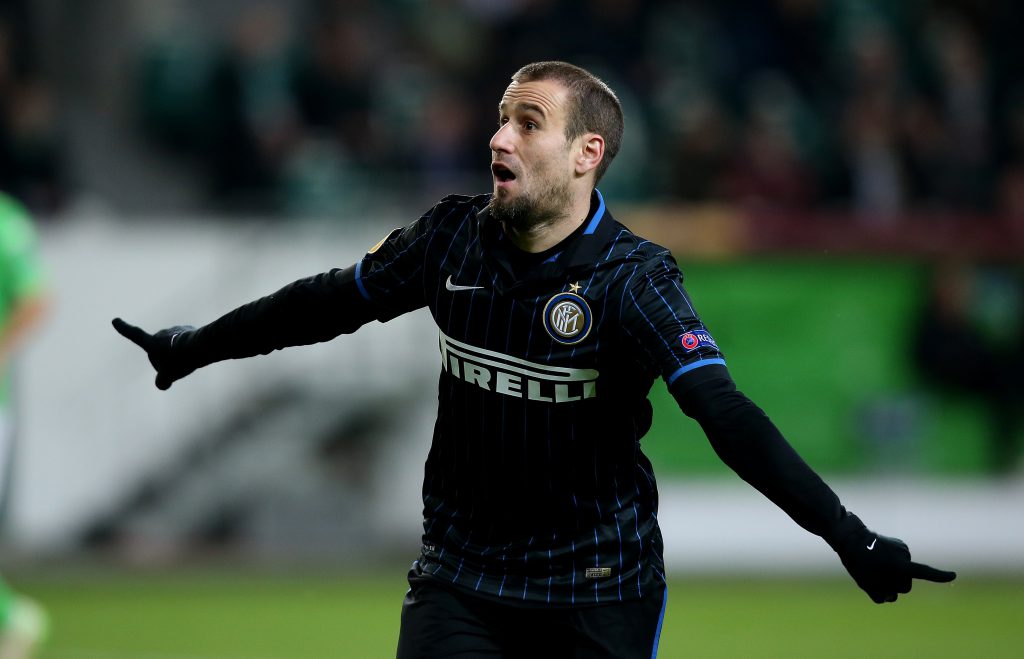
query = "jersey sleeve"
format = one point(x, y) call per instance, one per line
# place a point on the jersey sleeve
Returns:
point(21, 271)
point(749, 443)
point(385, 283)
point(390, 276)
point(660, 318)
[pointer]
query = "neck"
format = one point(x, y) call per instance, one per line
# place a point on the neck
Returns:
point(546, 235)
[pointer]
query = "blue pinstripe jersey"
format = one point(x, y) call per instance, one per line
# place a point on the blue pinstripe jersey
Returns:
point(535, 487)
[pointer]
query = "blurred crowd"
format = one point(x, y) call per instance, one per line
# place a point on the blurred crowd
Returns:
point(967, 344)
point(875, 106)
point(31, 149)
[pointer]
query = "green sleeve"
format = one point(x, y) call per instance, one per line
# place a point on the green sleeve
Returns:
point(21, 272)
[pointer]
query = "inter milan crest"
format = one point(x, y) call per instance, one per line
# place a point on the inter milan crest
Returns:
point(567, 318)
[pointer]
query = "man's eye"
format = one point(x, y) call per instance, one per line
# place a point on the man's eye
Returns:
point(502, 121)
point(529, 125)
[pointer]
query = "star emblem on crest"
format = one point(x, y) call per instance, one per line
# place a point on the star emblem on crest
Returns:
point(574, 287)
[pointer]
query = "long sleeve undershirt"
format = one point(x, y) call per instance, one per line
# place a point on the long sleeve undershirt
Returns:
point(307, 311)
point(749, 443)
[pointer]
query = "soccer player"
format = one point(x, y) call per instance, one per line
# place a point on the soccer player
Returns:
point(540, 533)
point(22, 307)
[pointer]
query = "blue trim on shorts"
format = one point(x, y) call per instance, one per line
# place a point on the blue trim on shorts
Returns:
point(661, 620)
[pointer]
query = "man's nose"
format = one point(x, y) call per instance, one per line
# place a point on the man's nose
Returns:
point(502, 139)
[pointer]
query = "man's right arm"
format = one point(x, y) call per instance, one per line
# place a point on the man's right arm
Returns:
point(388, 281)
point(307, 311)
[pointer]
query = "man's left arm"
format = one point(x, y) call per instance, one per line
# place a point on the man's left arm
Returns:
point(750, 444)
point(660, 318)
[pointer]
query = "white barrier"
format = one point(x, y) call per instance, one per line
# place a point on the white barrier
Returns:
point(92, 421)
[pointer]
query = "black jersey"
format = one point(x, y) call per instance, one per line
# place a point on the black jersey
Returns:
point(535, 488)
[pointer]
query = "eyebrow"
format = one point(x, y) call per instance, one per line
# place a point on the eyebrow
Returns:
point(524, 106)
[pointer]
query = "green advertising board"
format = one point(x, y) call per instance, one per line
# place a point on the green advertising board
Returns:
point(824, 347)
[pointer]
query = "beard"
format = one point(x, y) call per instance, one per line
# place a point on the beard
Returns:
point(524, 212)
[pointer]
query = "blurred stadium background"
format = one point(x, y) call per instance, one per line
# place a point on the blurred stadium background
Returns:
point(842, 182)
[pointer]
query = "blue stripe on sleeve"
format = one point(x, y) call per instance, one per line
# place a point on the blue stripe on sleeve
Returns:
point(359, 282)
point(689, 367)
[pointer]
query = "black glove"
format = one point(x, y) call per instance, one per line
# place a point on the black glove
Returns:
point(880, 565)
point(170, 365)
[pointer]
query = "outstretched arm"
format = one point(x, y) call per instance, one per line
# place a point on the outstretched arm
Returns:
point(307, 311)
point(746, 440)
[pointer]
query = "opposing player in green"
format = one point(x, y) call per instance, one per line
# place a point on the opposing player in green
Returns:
point(22, 306)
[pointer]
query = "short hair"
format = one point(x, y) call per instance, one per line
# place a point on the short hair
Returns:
point(593, 106)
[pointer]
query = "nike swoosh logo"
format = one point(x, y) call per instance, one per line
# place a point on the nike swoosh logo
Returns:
point(872, 545)
point(455, 287)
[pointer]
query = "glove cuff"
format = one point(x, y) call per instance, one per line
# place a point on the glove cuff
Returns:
point(846, 532)
point(183, 352)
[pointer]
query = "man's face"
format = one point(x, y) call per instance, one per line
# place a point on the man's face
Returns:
point(531, 163)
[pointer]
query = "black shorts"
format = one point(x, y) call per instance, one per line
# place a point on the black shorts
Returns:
point(440, 622)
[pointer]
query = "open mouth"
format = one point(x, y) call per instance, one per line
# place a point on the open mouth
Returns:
point(502, 173)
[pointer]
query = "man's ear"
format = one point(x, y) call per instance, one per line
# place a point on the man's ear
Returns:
point(589, 153)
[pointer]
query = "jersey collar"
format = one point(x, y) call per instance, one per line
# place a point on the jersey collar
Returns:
point(579, 252)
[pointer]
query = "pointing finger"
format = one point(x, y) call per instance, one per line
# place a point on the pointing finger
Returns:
point(134, 334)
point(928, 573)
